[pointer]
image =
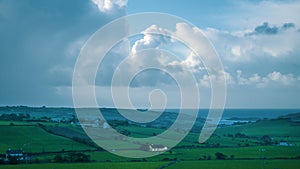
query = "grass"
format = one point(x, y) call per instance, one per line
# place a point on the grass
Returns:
point(120, 165)
point(242, 152)
point(35, 139)
point(273, 128)
point(237, 164)
point(196, 153)
point(211, 164)
point(5, 123)
point(17, 136)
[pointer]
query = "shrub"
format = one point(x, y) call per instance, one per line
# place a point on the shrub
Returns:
point(220, 156)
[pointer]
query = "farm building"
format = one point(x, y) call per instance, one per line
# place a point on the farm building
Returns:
point(158, 147)
point(18, 154)
point(284, 143)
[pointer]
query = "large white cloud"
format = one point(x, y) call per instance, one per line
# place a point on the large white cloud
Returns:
point(153, 38)
point(239, 46)
point(107, 6)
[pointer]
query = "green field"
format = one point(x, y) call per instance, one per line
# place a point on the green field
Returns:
point(241, 152)
point(274, 128)
point(212, 164)
point(120, 165)
point(34, 139)
point(238, 164)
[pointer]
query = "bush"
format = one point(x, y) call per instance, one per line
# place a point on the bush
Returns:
point(267, 140)
point(220, 156)
point(72, 157)
point(166, 159)
point(79, 157)
point(12, 160)
point(59, 159)
point(240, 135)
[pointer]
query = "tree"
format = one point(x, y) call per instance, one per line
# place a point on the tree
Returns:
point(13, 160)
point(2, 156)
point(220, 156)
point(267, 140)
point(144, 147)
point(208, 157)
point(79, 157)
point(240, 135)
point(59, 159)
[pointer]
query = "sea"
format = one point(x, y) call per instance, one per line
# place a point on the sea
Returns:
point(232, 116)
point(245, 113)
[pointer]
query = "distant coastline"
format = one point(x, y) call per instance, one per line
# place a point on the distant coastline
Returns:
point(228, 114)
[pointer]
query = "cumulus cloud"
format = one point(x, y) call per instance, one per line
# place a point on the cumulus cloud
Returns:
point(153, 38)
point(246, 45)
point(238, 44)
point(108, 6)
point(193, 62)
point(271, 79)
point(218, 78)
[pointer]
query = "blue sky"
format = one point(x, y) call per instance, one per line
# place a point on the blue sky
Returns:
point(257, 42)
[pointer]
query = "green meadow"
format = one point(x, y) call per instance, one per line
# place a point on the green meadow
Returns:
point(34, 139)
point(213, 164)
point(241, 146)
point(118, 165)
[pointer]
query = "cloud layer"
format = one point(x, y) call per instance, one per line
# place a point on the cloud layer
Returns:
point(258, 43)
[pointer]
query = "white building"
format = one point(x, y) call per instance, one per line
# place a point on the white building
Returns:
point(158, 148)
point(284, 143)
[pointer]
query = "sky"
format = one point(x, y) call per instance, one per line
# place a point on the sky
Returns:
point(257, 42)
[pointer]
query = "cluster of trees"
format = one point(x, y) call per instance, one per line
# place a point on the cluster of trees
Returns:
point(72, 158)
point(237, 135)
point(28, 118)
point(205, 157)
point(218, 156)
point(14, 117)
point(2, 156)
point(264, 140)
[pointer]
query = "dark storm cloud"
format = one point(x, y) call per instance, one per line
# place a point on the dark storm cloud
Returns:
point(266, 29)
point(35, 36)
point(288, 25)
